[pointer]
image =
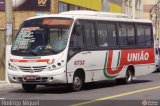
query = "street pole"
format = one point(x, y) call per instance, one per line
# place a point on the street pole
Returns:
point(8, 33)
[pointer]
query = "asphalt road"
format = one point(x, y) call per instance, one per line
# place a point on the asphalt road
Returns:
point(144, 91)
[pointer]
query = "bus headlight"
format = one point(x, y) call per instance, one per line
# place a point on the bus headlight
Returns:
point(55, 66)
point(12, 67)
point(52, 67)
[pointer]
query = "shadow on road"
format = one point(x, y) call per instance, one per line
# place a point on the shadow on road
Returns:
point(88, 86)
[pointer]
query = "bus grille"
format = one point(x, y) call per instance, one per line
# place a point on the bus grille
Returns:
point(32, 69)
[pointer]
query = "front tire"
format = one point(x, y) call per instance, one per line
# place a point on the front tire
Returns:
point(29, 87)
point(77, 82)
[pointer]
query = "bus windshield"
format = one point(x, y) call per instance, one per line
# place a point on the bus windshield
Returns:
point(42, 36)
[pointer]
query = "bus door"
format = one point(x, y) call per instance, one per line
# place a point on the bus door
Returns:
point(94, 58)
point(82, 49)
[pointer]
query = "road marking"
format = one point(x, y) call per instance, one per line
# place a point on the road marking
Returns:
point(116, 96)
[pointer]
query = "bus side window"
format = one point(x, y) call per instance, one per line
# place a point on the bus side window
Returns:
point(77, 38)
point(90, 37)
point(144, 35)
point(131, 35)
point(112, 41)
point(102, 34)
point(126, 34)
point(122, 34)
point(148, 34)
point(76, 42)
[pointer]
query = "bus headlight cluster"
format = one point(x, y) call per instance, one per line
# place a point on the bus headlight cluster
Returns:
point(55, 66)
point(12, 67)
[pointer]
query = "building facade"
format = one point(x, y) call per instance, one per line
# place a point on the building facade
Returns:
point(151, 11)
point(40, 7)
point(133, 8)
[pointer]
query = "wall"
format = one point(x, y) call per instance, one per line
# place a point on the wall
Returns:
point(2, 23)
point(133, 8)
point(148, 4)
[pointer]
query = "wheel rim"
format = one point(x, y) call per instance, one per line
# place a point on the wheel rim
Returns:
point(77, 82)
point(128, 76)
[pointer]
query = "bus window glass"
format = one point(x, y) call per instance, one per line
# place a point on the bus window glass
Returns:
point(102, 34)
point(122, 35)
point(93, 39)
point(140, 35)
point(89, 32)
point(131, 35)
point(76, 42)
point(88, 35)
point(112, 41)
point(77, 38)
point(148, 34)
point(58, 38)
point(144, 35)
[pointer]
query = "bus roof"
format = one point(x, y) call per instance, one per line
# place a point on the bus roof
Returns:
point(94, 15)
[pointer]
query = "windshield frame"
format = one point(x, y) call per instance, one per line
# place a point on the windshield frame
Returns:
point(20, 53)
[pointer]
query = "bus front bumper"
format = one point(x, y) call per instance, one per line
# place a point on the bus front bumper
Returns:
point(38, 78)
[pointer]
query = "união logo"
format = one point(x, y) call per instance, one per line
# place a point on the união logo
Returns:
point(109, 71)
point(138, 56)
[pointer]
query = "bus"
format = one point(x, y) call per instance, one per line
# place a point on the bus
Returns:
point(77, 47)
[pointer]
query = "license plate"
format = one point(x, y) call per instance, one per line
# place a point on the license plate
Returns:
point(31, 77)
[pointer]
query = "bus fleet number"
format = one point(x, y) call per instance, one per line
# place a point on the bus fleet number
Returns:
point(79, 62)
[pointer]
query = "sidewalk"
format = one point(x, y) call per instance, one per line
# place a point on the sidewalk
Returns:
point(4, 85)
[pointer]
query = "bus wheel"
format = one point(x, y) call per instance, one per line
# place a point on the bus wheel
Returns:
point(127, 79)
point(77, 82)
point(29, 87)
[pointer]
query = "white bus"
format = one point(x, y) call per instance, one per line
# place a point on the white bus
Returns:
point(79, 47)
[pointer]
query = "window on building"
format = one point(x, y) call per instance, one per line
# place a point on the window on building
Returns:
point(68, 7)
point(63, 7)
point(138, 4)
point(73, 7)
